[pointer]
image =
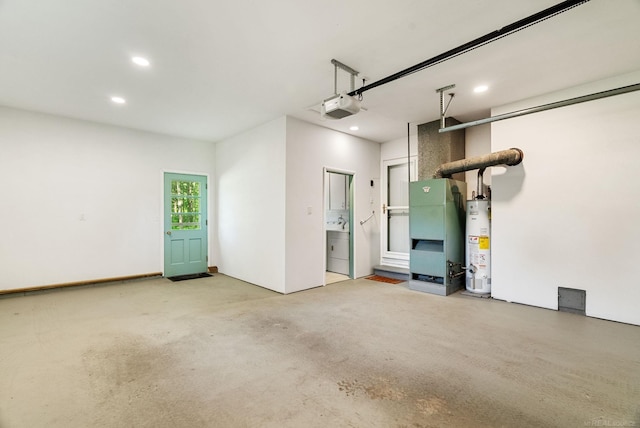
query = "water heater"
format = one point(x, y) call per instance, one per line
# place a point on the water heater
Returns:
point(478, 243)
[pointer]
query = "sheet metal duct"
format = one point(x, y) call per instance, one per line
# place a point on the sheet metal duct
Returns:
point(510, 157)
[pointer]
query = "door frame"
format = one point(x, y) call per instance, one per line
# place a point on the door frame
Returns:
point(351, 176)
point(162, 205)
point(390, 258)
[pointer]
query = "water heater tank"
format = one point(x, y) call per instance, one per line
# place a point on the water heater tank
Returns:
point(478, 254)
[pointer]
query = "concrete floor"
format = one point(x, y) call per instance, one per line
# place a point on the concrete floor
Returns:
point(217, 352)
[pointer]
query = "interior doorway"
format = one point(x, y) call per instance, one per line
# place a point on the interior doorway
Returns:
point(338, 221)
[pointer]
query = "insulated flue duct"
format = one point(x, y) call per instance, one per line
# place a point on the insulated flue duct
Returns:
point(510, 157)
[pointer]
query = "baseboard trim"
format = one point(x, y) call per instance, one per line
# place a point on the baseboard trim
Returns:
point(78, 283)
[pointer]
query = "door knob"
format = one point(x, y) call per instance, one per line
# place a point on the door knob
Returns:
point(169, 232)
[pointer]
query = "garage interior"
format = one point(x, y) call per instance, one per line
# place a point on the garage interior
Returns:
point(150, 140)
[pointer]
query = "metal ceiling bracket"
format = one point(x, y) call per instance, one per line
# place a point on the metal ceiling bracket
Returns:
point(337, 64)
point(443, 109)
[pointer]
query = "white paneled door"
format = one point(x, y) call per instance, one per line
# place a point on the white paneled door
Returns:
point(395, 241)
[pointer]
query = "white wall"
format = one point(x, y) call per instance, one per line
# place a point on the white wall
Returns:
point(83, 201)
point(397, 149)
point(568, 215)
point(250, 179)
point(311, 148)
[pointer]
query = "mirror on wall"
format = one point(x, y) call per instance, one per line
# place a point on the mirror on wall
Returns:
point(338, 191)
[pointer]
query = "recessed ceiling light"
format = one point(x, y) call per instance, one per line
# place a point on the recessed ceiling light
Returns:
point(118, 100)
point(481, 88)
point(354, 128)
point(142, 62)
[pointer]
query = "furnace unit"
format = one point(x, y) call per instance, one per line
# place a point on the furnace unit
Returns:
point(436, 227)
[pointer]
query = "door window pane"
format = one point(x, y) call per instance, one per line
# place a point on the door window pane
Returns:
point(398, 219)
point(398, 240)
point(398, 187)
point(185, 205)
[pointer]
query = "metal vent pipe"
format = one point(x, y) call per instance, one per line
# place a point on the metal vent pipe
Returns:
point(480, 190)
point(510, 157)
point(523, 112)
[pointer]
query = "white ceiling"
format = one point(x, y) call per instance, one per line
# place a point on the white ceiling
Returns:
point(219, 68)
